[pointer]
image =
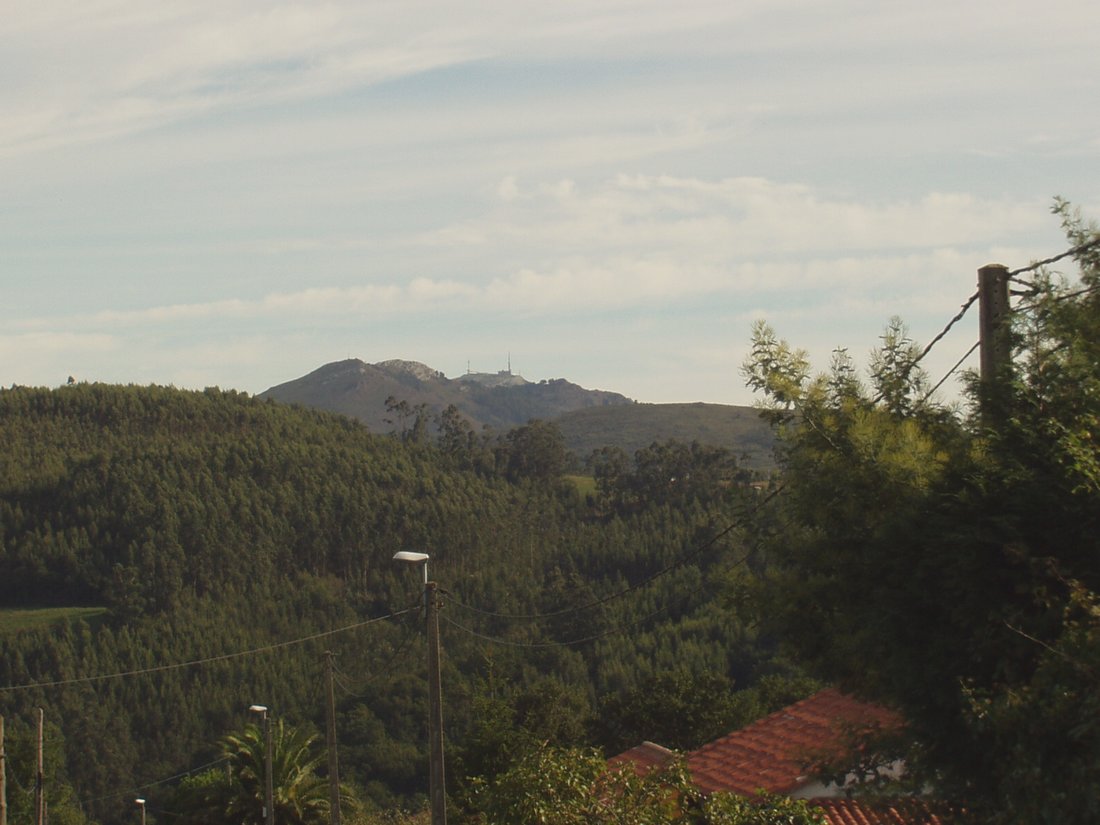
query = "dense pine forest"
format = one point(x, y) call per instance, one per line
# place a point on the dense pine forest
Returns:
point(168, 558)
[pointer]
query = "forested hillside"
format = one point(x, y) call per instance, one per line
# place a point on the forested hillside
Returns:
point(217, 544)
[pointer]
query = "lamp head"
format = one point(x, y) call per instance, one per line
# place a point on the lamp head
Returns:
point(260, 709)
point(413, 558)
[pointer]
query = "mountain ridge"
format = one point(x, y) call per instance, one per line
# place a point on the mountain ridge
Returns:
point(589, 419)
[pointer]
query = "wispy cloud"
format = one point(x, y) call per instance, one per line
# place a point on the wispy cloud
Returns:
point(638, 241)
point(623, 176)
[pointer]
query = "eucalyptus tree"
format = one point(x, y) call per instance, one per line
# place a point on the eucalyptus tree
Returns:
point(948, 562)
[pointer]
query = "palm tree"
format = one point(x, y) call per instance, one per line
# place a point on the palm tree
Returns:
point(236, 796)
point(301, 797)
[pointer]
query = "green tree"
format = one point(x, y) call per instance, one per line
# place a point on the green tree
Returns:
point(535, 451)
point(684, 710)
point(508, 727)
point(948, 563)
point(573, 786)
point(237, 794)
point(21, 764)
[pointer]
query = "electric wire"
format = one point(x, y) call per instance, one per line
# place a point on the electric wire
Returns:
point(951, 371)
point(1066, 296)
point(1030, 292)
point(342, 679)
point(611, 631)
point(1076, 250)
point(222, 760)
point(939, 337)
point(912, 364)
point(620, 628)
point(537, 645)
point(154, 783)
point(1014, 275)
point(669, 568)
point(197, 662)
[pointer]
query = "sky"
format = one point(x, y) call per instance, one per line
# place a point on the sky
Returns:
point(235, 193)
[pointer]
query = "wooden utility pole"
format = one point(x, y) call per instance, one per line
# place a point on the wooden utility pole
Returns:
point(333, 762)
point(436, 787)
point(996, 348)
point(269, 768)
point(3, 778)
point(39, 776)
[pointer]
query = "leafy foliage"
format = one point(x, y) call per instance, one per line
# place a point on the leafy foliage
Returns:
point(237, 794)
point(573, 786)
point(20, 752)
point(215, 528)
point(949, 564)
point(684, 711)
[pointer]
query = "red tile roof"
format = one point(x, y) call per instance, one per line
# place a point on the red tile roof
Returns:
point(841, 811)
point(774, 753)
point(644, 757)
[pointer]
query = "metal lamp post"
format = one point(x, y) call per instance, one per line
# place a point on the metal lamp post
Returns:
point(141, 804)
point(269, 784)
point(436, 787)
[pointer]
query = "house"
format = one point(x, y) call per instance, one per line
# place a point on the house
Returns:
point(778, 754)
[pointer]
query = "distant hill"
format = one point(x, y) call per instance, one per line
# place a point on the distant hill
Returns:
point(499, 400)
point(589, 419)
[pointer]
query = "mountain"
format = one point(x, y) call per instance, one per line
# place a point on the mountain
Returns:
point(589, 419)
point(499, 400)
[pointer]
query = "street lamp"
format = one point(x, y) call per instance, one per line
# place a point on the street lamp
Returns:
point(414, 558)
point(269, 785)
point(436, 788)
point(141, 804)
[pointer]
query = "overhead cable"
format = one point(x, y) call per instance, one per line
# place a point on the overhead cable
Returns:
point(209, 660)
point(676, 564)
point(1077, 250)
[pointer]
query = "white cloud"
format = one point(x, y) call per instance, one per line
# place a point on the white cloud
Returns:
point(239, 170)
point(721, 224)
point(88, 72)
point(652, 241)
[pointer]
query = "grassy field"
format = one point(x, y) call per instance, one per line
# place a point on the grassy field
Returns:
point(585, 484)
point(16, 619)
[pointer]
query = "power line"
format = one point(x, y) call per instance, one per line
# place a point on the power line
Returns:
point(1066, 296)
point(343, 679)
point(951, 371)
point(1014, 274)
point(224, 657)
point(911, 365)
point(958, 317)
point(154, 783)
point(636, 586)
point(1084, 247)
point(620, 628)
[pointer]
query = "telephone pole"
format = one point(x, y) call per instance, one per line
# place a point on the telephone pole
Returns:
point(993, 312)
point(996, 342)
point(3, 778)
point(39, 776)
point(269, 781)
point(333, 762)
point(436, 791)
point(435, 709)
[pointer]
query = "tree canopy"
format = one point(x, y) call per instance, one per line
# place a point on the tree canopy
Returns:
point(947, 561)
point(198, 551)
point(574, 786)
